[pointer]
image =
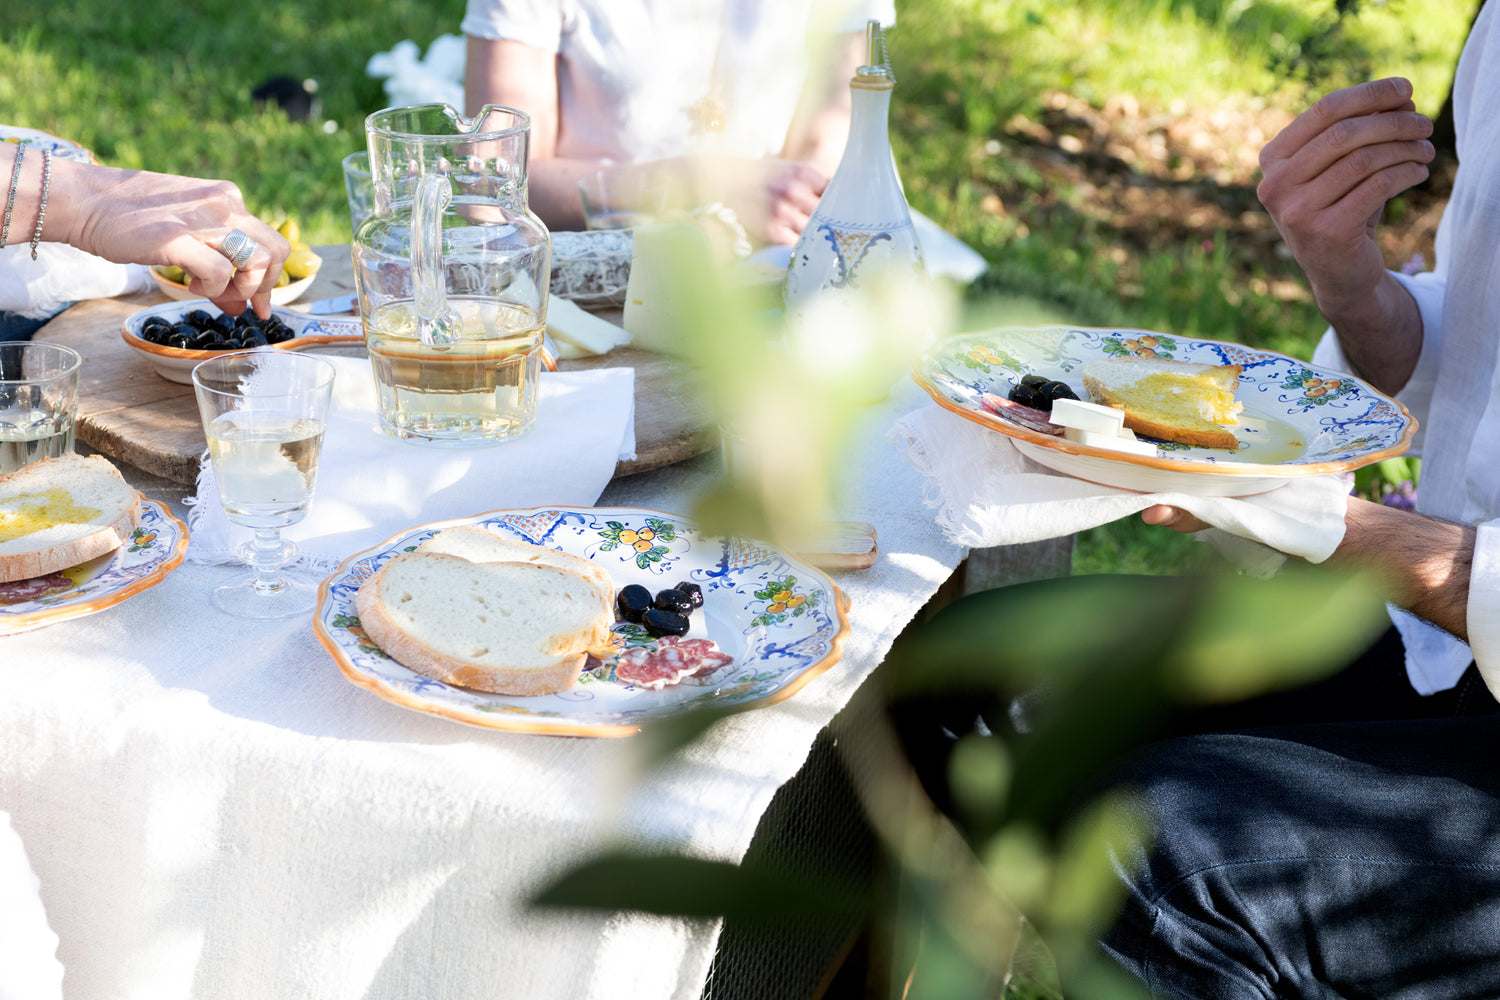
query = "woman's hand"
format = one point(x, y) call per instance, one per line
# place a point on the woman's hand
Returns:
point(135, 216)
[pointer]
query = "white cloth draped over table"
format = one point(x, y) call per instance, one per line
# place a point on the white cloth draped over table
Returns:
point(371, 485)
point(213, 811)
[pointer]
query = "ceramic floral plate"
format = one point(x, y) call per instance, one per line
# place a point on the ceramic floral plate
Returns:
point(781, 620)
point(155, 548)
point(34, 139)
point(1304, 419)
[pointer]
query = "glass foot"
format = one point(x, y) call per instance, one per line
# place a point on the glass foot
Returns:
point(267, 602)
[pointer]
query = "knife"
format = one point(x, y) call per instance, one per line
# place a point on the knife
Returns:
point(328, 307)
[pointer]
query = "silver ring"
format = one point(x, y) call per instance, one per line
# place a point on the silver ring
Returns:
point(238, 247)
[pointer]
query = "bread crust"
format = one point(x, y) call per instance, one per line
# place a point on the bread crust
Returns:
point(50, 558)
point(393, 638)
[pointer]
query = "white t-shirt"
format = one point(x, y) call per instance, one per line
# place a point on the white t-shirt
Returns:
point(630, 72)
point(1453, 392)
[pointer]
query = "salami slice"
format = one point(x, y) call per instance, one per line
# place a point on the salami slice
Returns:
point(1022, 416)
point(669, 661)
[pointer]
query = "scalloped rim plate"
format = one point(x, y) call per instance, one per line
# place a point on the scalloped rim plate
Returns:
point(780, 641)
point(1332, 421)
point(156, 547)
point(64, 149)
point(177, 365)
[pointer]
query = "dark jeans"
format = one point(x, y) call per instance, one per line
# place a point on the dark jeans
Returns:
point(1354, 855)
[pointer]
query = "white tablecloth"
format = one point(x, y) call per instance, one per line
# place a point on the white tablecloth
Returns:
point(214, 812)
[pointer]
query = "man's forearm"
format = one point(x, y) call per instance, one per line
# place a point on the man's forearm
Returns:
point(1425, 560)
point(1381, 335)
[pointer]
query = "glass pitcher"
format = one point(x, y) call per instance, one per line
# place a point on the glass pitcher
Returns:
point(452, 272)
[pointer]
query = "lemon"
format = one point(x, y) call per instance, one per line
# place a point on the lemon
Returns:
point(303, 262)
point(282, 279)
point(172, 273)
point(289, 230)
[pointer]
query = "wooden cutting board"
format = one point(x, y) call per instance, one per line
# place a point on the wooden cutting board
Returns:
point(131, 414)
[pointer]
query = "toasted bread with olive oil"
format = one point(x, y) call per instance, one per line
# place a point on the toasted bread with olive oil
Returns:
point(1179, 401)
point(60, 512)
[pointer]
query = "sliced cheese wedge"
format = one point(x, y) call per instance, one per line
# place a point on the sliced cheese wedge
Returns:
point(580, 334)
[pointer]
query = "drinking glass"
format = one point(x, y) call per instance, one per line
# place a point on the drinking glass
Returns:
point(264, 413)
point(360, 187)
point(38, 402)
point(620, 198)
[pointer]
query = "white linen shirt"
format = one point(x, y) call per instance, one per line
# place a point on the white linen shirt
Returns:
point(1453, 391)
point(629, 72)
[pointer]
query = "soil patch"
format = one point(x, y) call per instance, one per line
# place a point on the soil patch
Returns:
point(1164, 177)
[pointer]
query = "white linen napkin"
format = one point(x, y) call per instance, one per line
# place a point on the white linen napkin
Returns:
point(988, 493)
point(371, 486)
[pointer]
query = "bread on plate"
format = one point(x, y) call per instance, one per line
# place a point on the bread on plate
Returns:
point(1180, 401)
point(519, 628)
point(60, 512)
point(477, 544)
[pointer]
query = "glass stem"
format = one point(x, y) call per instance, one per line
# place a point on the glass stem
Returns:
point(266, 556)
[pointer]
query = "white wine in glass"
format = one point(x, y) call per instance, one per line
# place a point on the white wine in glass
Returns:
point(263, 413)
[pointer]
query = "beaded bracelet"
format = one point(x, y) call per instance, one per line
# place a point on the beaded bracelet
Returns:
point(41, 210)
point(10, 199)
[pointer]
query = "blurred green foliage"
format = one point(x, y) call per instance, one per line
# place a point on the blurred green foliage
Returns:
point(1100, 664)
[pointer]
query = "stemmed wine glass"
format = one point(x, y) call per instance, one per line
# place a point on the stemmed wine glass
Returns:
point(264, 412)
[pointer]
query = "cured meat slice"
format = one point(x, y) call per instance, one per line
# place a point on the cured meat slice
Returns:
point(669, 661)
point(1022, 416)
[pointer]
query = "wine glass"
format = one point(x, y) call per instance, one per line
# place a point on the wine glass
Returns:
point(264, 412)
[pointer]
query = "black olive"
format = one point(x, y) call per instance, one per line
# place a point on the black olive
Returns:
point(254, 338)
point(1027, 395)
point(633, 602)
point(279, 335)
point(1031, 378)
point(178, 341)
point(187, 330)
point(693, 592)
point(231, 344)
point(199, 319)
point(659, 623)
point(204, 341)
point(247, 319)
point(224, 322)
point(1059, 390)
point(674, 600)
point(156, 334)
point(154, 323)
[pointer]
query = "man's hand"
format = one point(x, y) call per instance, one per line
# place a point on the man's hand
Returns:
point(1172, 517)
point(1326, 179)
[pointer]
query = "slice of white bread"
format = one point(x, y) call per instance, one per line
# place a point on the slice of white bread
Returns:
point(1180, 401)
point(60, 512)
point(515, 628)
point(476, 544)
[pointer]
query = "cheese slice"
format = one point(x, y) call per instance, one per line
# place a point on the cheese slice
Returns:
point(1087, 416)
point(1112, 442)
point(579, 333)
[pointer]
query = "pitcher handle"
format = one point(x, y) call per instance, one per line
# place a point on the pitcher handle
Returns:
point(437, 324)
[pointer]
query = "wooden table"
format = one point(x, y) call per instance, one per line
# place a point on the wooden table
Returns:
point(131, 414)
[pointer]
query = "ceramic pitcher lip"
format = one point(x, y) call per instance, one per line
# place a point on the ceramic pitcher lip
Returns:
point(395, 123)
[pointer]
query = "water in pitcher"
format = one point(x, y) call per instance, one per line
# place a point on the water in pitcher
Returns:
point(482, 387)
